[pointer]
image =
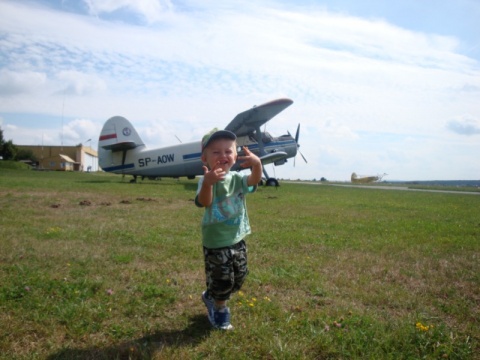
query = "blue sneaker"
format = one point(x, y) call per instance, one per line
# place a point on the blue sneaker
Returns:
point(210, 304)
point(222, 319)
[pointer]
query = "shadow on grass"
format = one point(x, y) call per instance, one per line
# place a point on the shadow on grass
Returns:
point(145, 347)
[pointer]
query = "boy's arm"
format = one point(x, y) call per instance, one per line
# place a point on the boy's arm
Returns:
point(205, 195)
point(256, 175)
point(253, 161)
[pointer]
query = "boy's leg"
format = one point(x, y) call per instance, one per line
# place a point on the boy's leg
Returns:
point(219, 273)
point(220, 283)
point(210, 304)
point(240, 265)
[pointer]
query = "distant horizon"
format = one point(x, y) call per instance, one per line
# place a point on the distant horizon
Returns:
point(388, 181)
point(314, 178)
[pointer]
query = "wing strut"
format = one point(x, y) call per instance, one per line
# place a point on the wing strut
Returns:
point(124, 156)
point(269, 181)
point(258, 135)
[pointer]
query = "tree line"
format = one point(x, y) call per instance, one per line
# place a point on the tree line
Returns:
point(9, 151)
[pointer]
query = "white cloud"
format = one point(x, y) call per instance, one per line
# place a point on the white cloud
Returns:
point(78, 83)
point(10, 127)
point(79, 131)
point(336, 129)
point(30, 136)
point(466, 125)
point(150, 10)
point(13, 82)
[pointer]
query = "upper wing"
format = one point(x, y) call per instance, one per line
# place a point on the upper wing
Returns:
point(247, 121)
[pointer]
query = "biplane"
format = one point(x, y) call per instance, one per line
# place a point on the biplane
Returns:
point(366, 179)
point(121, 150)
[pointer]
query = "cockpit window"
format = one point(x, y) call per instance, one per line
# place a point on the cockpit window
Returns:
point(266, 137)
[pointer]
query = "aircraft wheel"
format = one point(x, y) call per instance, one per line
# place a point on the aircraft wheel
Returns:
point(272, 182)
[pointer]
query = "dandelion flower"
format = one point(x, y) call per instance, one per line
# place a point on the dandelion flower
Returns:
point(422, 327)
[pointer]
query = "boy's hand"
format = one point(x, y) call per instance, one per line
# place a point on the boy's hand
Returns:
point(213, 176)
point(249, 159)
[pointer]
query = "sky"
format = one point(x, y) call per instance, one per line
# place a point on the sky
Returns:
point(379, 86)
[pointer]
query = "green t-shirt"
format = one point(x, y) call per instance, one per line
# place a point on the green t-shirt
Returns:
point(225, 221)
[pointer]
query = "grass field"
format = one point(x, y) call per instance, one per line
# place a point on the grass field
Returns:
point(93, 267)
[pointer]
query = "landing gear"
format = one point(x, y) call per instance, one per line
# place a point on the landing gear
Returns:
point(271, 182)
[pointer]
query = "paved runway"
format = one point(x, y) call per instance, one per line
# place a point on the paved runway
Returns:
point(387, 187)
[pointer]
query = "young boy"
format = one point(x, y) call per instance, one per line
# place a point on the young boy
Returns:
point(225, 222)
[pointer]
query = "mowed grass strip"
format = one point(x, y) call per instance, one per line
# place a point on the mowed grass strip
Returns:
point(93, 267)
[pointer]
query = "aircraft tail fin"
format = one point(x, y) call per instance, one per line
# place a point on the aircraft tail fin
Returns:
point(118, 134)
point(116, 138)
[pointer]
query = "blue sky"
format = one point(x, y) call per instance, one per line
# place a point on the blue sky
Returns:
point(378, 86)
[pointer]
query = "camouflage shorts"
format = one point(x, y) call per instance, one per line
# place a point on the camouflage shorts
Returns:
point(225, 269)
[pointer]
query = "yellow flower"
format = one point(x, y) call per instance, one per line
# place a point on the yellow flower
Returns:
point(422, 327)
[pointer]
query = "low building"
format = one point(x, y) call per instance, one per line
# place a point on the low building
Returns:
point(64, 158)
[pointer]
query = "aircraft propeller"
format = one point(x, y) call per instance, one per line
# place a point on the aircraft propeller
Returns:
point(297, 135)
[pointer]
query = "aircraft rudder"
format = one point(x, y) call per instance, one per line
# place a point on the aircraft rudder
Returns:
point(117, 136)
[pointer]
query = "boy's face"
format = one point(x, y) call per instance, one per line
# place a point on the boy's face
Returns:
point(220, 153)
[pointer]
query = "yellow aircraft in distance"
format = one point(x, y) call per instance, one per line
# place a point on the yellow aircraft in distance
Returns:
point(361, 179)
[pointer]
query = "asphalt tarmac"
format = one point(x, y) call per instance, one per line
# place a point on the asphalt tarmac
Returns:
point(388, 187)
